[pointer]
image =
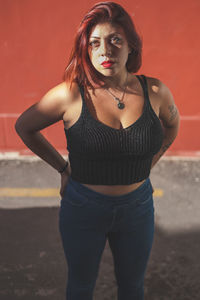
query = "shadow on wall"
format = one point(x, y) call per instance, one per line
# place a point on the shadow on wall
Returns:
point(32, 263)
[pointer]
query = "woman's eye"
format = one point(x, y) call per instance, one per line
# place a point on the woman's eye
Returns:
point(116, 39)
point(94, 43)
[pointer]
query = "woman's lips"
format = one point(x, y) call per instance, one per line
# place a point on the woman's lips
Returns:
point(107, 64)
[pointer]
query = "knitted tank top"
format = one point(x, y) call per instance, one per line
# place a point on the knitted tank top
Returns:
point(102, 155)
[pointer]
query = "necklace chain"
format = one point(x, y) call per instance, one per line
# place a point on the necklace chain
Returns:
point(120, 103)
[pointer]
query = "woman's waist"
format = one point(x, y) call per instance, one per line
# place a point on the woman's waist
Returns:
point(120, 194)
point(114, 190)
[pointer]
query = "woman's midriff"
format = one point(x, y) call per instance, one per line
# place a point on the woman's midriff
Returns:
point(114, 190)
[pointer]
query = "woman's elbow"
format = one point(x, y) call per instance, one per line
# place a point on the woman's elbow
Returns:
point(18, 126)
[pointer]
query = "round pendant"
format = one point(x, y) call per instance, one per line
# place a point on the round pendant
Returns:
point(120, 105)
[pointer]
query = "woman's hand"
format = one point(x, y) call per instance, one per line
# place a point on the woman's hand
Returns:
point(64, 180)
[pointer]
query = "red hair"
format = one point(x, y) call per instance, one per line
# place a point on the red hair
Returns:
point(80, 68)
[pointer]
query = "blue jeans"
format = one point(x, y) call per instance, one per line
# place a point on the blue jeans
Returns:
point(87, 219)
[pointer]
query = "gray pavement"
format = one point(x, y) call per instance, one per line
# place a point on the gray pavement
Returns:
point(32, 264)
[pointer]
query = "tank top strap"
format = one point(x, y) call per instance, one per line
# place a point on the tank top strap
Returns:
point(84, 106)
point(143, 81)
point(81, 89)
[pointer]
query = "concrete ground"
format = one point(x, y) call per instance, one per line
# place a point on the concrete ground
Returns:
point(32, 263)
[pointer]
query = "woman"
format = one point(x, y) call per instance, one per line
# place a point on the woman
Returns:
point(117, 125)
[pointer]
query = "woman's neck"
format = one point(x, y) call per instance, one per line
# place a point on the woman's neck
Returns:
point(117, 82)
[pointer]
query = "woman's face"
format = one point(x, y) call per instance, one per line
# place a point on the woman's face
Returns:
point(107, 43)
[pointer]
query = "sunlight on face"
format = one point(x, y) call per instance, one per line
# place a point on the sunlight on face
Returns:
point(108, 43)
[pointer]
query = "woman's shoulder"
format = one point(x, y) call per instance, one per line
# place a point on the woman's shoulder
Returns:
point(57, 100)
point(168, 111)
point(59, 97)
point(158, 89)
point(63, 92)
point(161, 94)
point(156, 86)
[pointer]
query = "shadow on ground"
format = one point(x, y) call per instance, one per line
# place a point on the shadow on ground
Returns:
point(32, 263)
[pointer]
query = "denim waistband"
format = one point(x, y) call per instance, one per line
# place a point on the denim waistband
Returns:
point(145, 187)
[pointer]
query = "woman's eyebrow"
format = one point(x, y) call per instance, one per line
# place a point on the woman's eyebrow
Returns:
point(108, 35)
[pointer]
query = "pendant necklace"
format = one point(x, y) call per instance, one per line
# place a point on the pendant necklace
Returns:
point(120, 103)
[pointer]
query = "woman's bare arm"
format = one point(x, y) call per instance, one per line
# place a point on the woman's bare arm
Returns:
point(49, 110)
point(170, 118)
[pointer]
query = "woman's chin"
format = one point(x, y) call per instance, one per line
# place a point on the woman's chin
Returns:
point(108, 72)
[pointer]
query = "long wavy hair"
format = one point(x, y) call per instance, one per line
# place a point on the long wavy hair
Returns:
point(79, 68)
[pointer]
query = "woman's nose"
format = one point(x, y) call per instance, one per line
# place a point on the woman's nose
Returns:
point(105, 48)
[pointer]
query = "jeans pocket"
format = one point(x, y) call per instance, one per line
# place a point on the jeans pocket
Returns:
point(73, 197)
point(144, 199)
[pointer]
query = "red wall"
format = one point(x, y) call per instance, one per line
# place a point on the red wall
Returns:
point(35, 43)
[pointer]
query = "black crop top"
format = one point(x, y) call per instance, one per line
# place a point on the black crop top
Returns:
point(102, 155)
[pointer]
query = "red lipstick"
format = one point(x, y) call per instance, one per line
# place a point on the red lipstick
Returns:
point(107, 64)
